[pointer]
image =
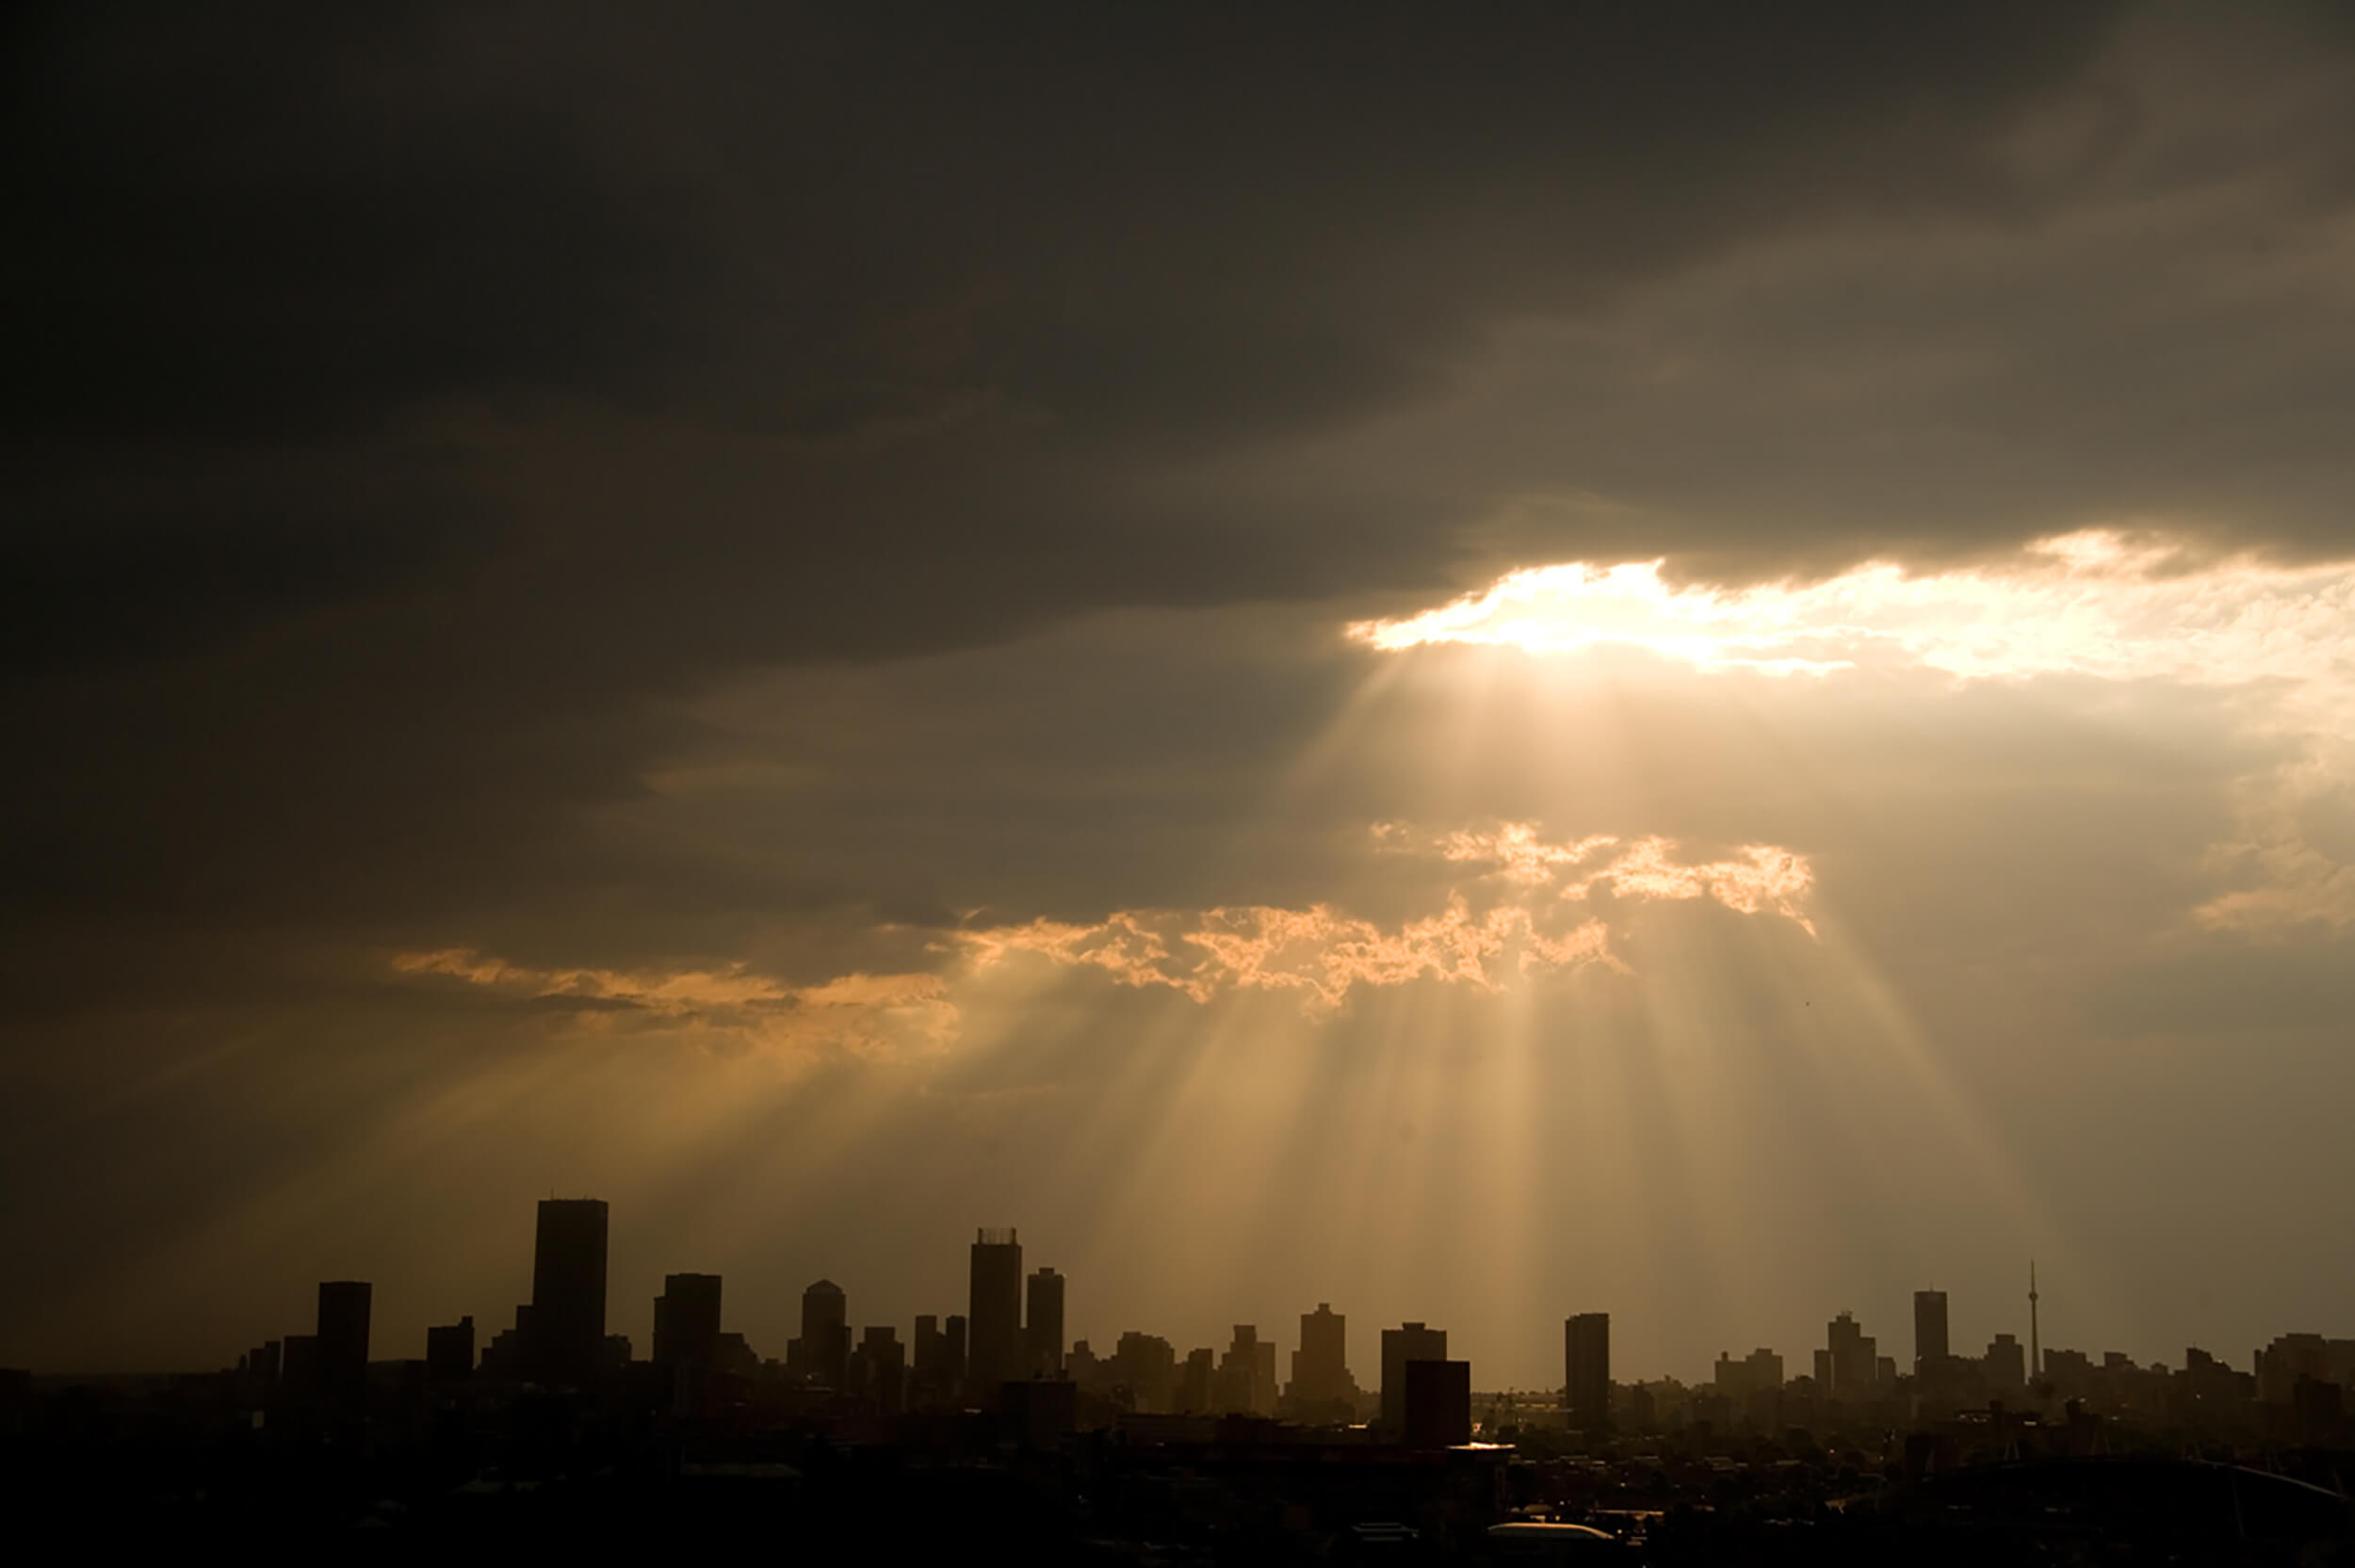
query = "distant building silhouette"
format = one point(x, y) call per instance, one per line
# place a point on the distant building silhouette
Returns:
point(1247, 1375)
point(1147, 1366)
point(343, 1347)
point(929, 1383)
point(956, 1353)
point(566, 1340)
point(449, 1352)
point(2036, 1329)
point(1437, 1412)
point(1761, 1370)
point(1855, 1359)
point(1408, 1342)
point(879, 1370)
point(1044, 1308)
point(1322, 1387)
point(1929, 1328)
point(1586, 1371)
point(826, 1336)
point(995, 1353)
point(1197, 1383)
point(686, 1321)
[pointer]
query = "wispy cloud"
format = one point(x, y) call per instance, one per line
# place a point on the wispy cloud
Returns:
point(1527, 908)
point(1521, 905)
point(870, 1015)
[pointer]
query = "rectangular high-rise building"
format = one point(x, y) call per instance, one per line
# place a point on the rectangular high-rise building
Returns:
point(343, 1347)
point(1929, 1329)
point(686, 1321)
point(567, 1333)
point(955, 1354)
point(1321, 1367)
point(826, 1336)
point(1408, 1342)
point(1586, 1371)
point(1044, 1305)
point(995, 1350)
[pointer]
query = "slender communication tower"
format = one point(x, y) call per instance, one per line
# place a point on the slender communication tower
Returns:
point(2036, 1349)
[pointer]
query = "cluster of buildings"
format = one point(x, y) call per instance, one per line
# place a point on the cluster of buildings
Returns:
point(1007, 1352)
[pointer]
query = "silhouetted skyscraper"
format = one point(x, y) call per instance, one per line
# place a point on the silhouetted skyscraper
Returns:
point(566, 1336)
point(1586, 1371)
point(343, 1347)
point(955, 1353)
point(1044, 1308)
point(686, 1321)
point(1246, 1375)
point(1929, 1328)
point(1321, 1367)
point(1855, 1357)
point(995, 1354)
point(1197, 1383)
point(1409, 1342)
point(826, 1334)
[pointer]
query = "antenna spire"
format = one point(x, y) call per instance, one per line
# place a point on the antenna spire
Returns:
point(2035, 1348)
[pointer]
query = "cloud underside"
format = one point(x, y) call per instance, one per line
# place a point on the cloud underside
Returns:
point(1525, 905)
point(2108, 605)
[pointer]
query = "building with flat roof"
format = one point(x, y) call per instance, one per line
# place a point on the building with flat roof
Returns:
point(1586, 1371)
point(566, 1338)
point(995, 1351)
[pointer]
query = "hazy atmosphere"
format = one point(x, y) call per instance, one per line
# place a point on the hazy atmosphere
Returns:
point(1479, 669)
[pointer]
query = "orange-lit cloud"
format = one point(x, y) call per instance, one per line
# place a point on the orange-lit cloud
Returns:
point(1529, 913)
point(1525, 905)
point(872, 1015)
point(1760, 878)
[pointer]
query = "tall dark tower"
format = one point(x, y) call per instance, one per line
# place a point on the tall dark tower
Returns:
point(568, 1292)
point(1929, 1328)
point(2035, 1347)
point(994, 1352)
point(1042, 1305)
point(343, 1347)
point(1586, 1371)
point(826, 1334)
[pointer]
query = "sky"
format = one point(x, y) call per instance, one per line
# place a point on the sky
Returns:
point(1684, 660)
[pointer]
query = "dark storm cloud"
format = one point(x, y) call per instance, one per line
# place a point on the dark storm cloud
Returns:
point(1206, 220)
point(410, 409)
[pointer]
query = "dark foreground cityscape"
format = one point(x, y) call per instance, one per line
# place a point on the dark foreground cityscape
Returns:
point(985, 1431)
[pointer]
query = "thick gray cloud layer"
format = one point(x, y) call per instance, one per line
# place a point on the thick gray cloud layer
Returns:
point(631, 491)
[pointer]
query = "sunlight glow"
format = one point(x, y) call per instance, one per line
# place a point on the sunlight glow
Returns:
point(2100, 602)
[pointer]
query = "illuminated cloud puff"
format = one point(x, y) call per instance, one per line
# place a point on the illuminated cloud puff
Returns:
point(1527, 907)
point(2101, 604)
point(865, 1015)
point(1528, 912)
